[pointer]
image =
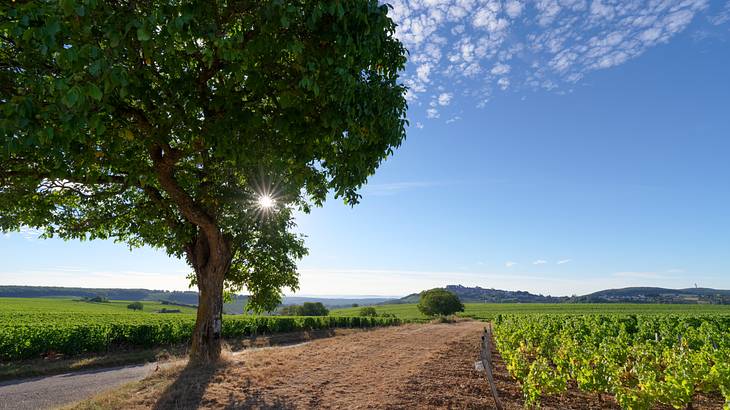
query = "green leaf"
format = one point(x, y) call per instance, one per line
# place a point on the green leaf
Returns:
point(67, 6)
point(143, 34)
point(72, 96)
point(114, 38)
point(94, 92)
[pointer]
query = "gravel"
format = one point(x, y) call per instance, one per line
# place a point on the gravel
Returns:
point(59, 390)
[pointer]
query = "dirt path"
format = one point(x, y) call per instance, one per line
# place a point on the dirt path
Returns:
point(53, 391)
point(407, 367)
point(381, 368)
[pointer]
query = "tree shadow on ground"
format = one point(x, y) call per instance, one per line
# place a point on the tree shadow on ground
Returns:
point(259, 401)
point(187, 391)
point(279, 339)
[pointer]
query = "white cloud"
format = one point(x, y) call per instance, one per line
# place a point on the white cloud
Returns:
point(422, 72)
point(500, 69)
point(432, 113)
point(445, 98)
point(546, 44)
point(722, 17)
point(510, 264)
point(539, 262)
point(453, 119)
point(513, 8)
point(564, 261)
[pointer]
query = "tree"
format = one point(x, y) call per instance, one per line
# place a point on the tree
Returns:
point(305, 309)
point(439, 302)
point(195, 127)
point(290, 310)
point(135, 306)
point(312, 309)
point(368, 311)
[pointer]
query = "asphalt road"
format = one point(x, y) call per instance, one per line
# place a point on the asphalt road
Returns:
point(59, 390)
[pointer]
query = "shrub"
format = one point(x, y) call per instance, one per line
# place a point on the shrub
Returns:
point(313, 309)
point(439, 302)
point(306, 309)
point(135, 306)
point(368, 311)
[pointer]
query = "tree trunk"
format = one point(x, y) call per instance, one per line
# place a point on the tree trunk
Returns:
point(206, 345)
point(211, 262)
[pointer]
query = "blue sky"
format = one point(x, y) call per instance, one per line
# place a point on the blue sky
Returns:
point(556, 147)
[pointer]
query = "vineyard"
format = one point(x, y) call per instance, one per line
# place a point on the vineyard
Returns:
point(489, 311)
point(77, 327)
point(642, 360)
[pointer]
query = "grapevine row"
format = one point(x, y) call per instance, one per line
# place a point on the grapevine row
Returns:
point(642, 360)
point(31, 335)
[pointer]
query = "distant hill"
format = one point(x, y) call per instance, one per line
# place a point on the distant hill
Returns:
point(174, 297)
point(481, 295)
point(186, 297)
point(625, 295)
point(466, 294)
point(657, 295)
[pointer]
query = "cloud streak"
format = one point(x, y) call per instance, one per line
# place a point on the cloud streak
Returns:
point(639, 275)
point(396, 187)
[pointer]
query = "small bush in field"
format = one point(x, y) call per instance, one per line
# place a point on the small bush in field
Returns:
point(368, 311)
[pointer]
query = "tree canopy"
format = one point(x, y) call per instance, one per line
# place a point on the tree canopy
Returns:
point(439, 302)
point(162, 123)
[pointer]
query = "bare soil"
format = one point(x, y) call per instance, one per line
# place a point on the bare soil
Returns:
point(429, 366)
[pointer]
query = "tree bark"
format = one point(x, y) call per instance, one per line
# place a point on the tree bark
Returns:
point(211, 261)
point(206, 343)
point(209, 253)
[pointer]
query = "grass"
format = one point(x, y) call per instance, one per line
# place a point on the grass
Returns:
point(69, 305)
point(488, 311)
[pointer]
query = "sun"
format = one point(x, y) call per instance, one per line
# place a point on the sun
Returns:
point(266, 202)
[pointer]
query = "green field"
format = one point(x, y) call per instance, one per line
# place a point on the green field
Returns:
point(31, 328)
point(68, 305)
point(489, 311)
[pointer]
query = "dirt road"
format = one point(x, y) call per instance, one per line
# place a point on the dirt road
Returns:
point(412, 366)
point(54, 391)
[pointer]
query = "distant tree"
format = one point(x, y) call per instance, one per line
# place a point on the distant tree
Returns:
point(313, 309)
point(195, 127)
point(98, 299)
point(355, 305)
point(368, 311)
point(135, 306)
point(291, 310)
point(439, 302)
